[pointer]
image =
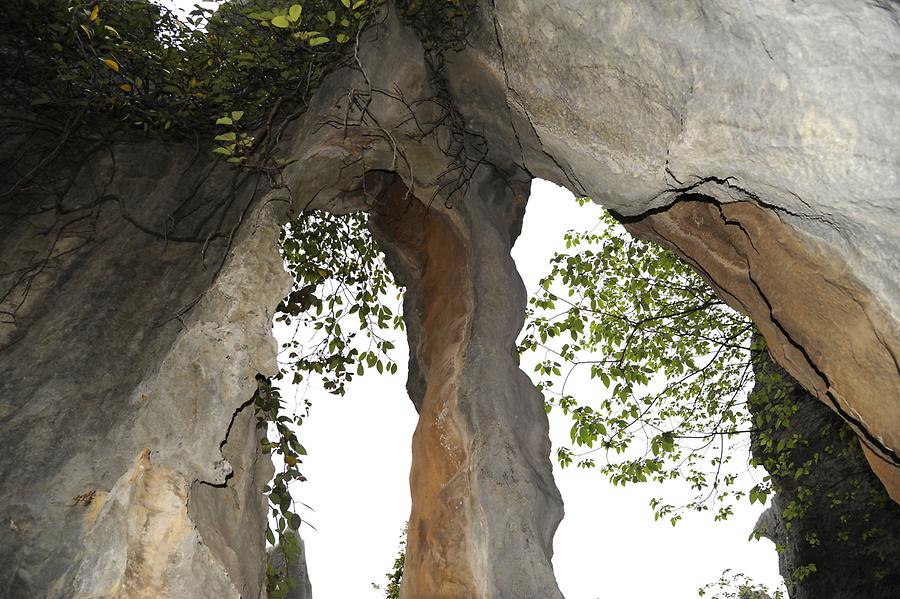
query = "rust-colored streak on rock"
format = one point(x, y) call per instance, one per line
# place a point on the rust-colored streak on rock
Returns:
point(438, 564)
point(819, 322)
point(97, 503)
point(157, 522)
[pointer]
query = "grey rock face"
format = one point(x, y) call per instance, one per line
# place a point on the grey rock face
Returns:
point(123, 369)
point(789, 107)
point(481, 475)
point(758, 139)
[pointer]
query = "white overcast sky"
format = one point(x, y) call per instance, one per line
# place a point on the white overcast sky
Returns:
point(608, 545)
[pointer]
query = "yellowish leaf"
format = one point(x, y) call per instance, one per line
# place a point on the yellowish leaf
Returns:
point(126, 87)
point(111, 64)
point(95, 12)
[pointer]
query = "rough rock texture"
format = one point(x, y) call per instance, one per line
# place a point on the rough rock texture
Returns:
point(758, 139)
point(787, 107)
point(481, 475)
point(848, 528)
point(751, 256)
point(228, 516)
point(122, 369)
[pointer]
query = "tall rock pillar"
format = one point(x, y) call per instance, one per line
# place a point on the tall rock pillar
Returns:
point(484, 504)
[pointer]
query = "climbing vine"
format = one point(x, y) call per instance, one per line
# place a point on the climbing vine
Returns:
point(441, 25)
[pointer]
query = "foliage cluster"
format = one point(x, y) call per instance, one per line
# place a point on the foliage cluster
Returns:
point(673, 357)
point(737, 586)
point(271, 419)
point(830, 503)
point(688, 381)
point(141, 63)
point(341, 293)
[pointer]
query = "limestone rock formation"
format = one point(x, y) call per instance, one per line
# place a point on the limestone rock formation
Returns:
point(481, 474)
point(138, 281)
point(787, 108)
point(127, 360)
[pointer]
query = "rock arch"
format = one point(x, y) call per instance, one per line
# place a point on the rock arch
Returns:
point(759, 141)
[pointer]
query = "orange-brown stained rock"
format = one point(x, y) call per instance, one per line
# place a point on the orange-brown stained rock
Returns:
point(438, 562)
point(154, 500)
point(819, 322)
point(157, 522)
point(97, 502)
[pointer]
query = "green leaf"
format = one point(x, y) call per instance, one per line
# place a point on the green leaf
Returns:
point(295, 12)
point(224, 121)
point(236, 115)
point(230, 136)
point(281, 21)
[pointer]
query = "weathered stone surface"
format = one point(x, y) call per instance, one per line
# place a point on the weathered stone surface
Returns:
point(481, 475)
point(122, 370)
point(763, 267)
point(228, 516)
point(847, 526)
point(769, 127)
point(784, 106)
